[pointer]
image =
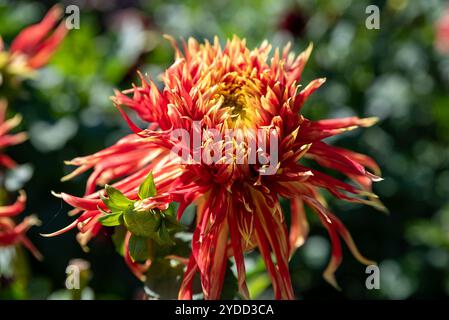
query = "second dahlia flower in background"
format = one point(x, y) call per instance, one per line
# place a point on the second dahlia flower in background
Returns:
point(210, 87)
point(10, 233)
point(32, 48)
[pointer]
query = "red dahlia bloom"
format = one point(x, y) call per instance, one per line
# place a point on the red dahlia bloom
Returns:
point(34, 46)
point(10, 233)
point(238, 200)
point(6, 139)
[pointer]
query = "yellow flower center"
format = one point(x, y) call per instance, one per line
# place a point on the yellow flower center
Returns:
point(236, 101)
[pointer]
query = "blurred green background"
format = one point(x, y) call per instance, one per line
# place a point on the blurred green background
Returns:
point(393, 73)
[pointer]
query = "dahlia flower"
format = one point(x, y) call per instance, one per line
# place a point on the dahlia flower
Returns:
point(33, 47)
point(6, 139)
point(235, 180)
point(10, 233)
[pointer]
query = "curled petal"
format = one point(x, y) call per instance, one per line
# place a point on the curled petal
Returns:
point(30, 37)
point(335, 228)
point(318, 130)
point(82, 203)
point(306, 92)
point(12, 235)
point(12, 139)
point(47, 48)
point(37, 42)
point(16, 208)
point(7, 162)
point(296, 67)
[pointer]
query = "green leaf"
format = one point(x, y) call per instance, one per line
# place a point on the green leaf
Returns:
point(142, 223)
point(112, 219)
point(109, 204)
point(258, 284)
point(171, 210)
point(117, 199)
point(173, 225)
point(118, 238)
point(163, 236)
point(140, 248)
point(147, 188)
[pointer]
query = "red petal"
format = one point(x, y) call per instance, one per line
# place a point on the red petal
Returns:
point(271, 227)
point(334, 227)
point(47, 48)
point(209, 243)
point(299, 228)
point(16, 208)
point(27, 40)
point(238, 252)
point(306, 92)
point(185, 291)
point(336, 256)
point(317, 130)
point(81, 203)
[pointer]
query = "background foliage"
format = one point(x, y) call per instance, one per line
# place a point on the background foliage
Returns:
point(393, 73)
